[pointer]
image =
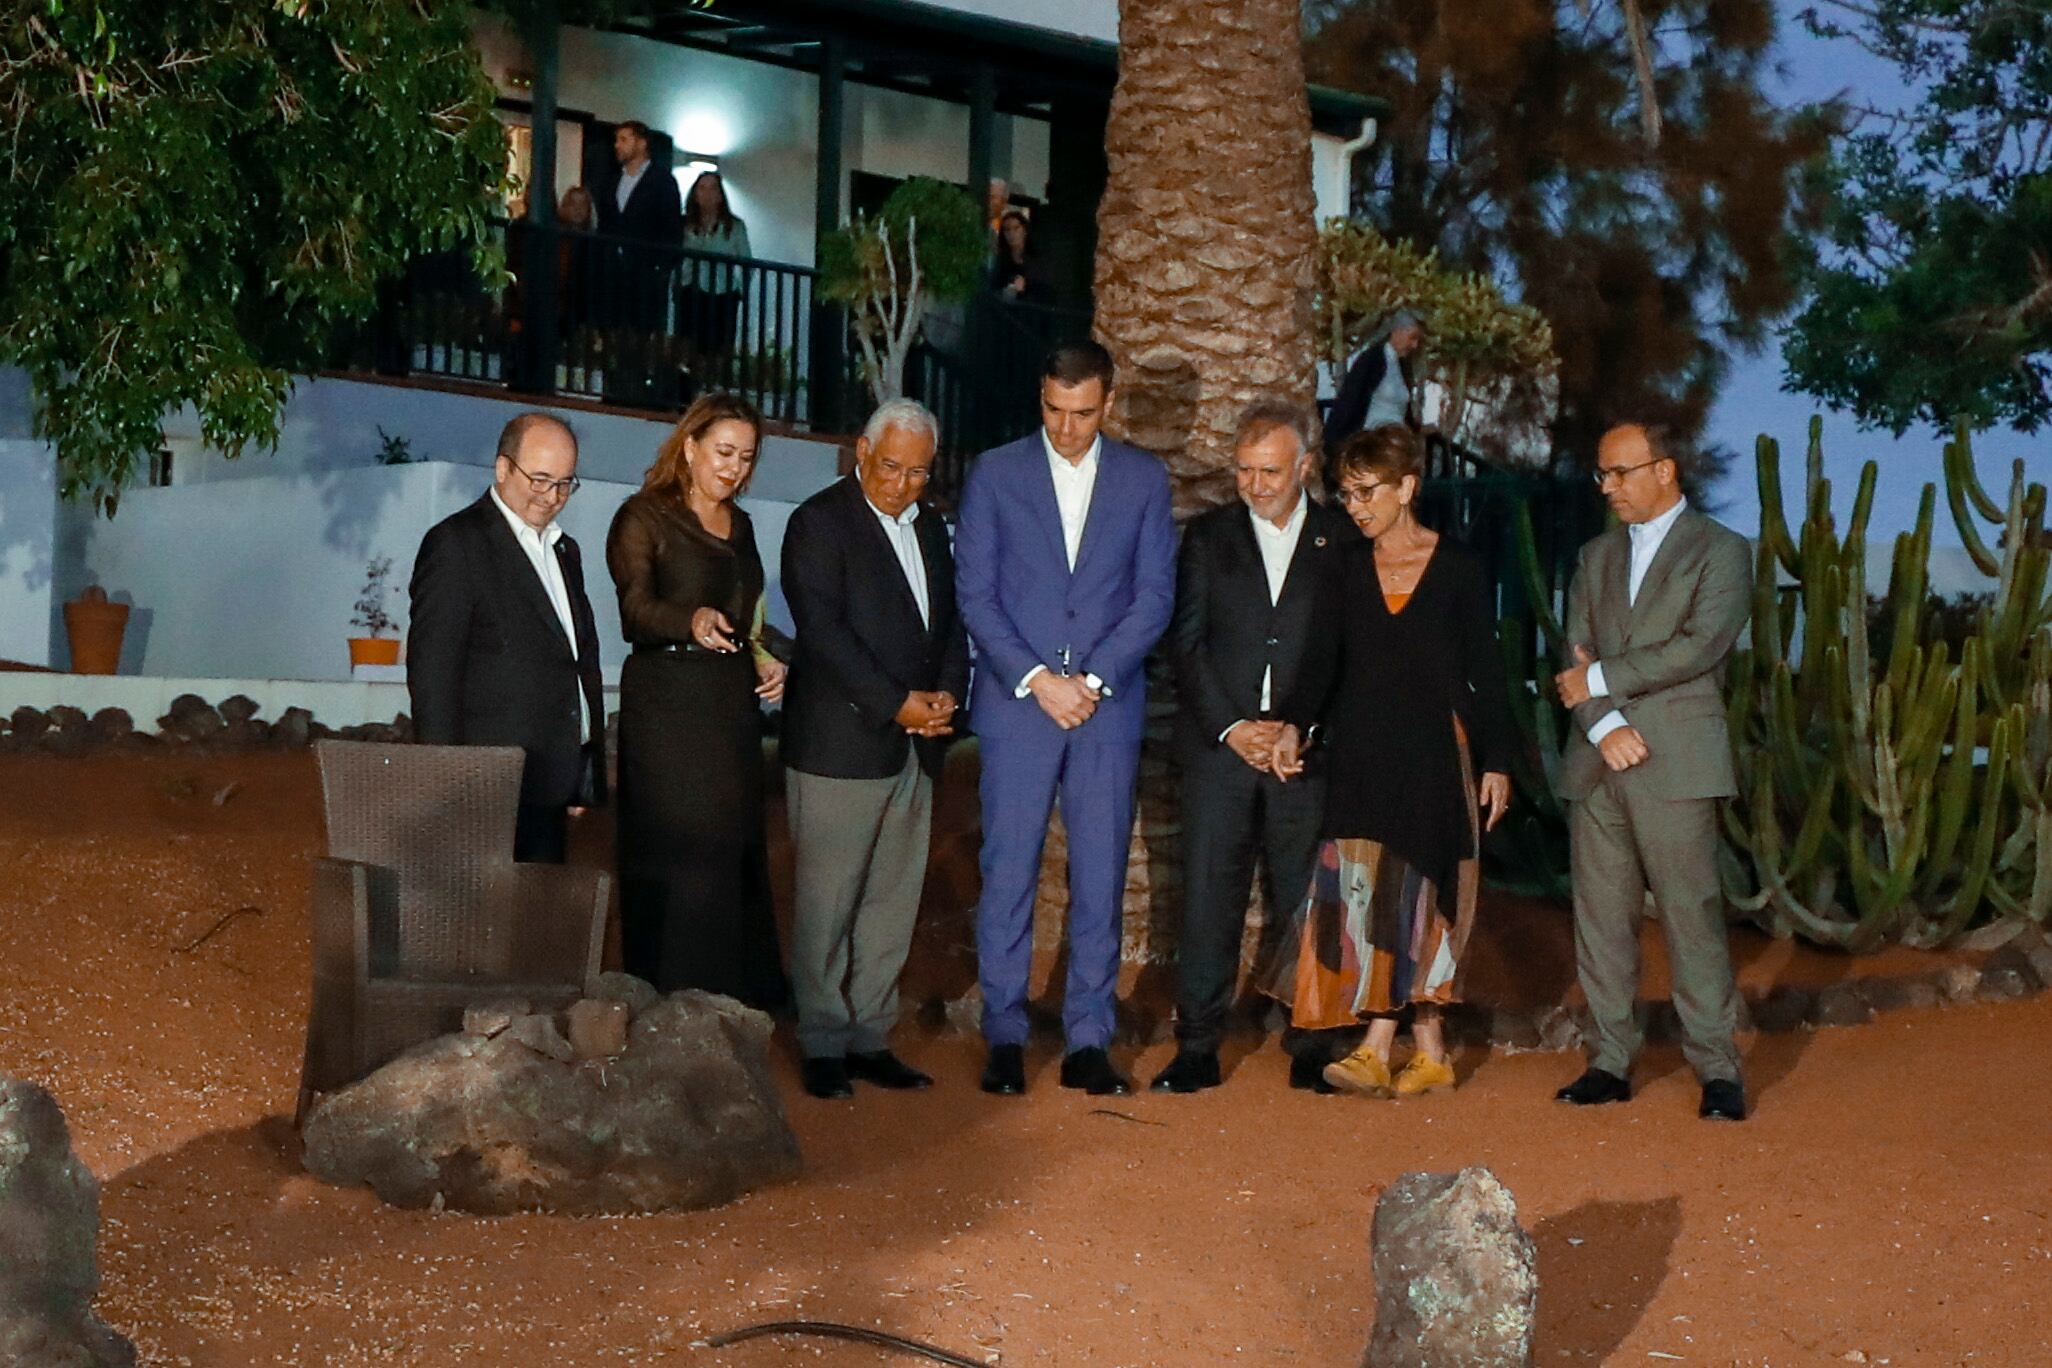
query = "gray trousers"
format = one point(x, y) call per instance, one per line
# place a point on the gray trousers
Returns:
point(861, 856)
point(1624, 840)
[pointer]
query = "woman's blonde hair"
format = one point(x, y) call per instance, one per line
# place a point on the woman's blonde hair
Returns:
point(670, 476)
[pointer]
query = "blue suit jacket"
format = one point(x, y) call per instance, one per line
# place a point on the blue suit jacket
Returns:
point(1023, 604)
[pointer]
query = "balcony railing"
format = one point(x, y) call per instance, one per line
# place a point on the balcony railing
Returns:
point(647, 326)
point(624, 321)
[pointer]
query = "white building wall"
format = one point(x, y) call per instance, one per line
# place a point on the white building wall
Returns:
point(256, 578)
point(28, 527)
point(332, 424)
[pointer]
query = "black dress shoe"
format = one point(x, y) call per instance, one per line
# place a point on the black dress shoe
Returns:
point(1724, 1099)
point(1190, 1071)
point(826, 1078)
point(1090, 1069)
point(886, 1070)
point(1005, 1073)
point(1595, 1086)
point(1307, 1074)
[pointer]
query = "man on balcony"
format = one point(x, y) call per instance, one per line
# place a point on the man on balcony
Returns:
point(642, 213)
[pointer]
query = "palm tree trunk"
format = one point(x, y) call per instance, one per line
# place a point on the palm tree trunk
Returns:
point(1207, 228)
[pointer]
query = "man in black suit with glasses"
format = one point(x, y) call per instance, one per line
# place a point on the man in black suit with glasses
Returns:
point(502, 649)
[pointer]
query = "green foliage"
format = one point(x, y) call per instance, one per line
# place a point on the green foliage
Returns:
point(1893, 788)
point(370, 611)
point(197, 194)
point(394, 450)
point(1517, 148)
point(1931, 290)
point(1478, 345)
point(928, 242)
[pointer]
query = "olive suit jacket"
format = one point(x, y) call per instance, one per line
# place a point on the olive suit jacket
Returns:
point(1663, 656)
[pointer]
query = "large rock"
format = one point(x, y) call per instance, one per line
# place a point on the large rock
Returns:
point(191, 718)
point(49, 1224)
point(688, 1116)
point(1456, 1277)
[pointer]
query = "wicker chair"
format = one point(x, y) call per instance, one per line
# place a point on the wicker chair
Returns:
point(419, 909)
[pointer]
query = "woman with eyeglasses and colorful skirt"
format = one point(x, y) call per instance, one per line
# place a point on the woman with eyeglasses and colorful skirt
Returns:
point(695, 907)
point(1413, 732)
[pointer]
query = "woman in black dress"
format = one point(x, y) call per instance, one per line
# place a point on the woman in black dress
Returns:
point(694, 867)
point(1409, 685)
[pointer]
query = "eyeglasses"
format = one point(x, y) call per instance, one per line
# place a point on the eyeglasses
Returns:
point(1360, 493)
point(542, 484)
point(1605, 475)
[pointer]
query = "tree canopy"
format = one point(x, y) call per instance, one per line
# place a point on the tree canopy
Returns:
point(1521, 147)
point(1931, 288)
point(196, 194)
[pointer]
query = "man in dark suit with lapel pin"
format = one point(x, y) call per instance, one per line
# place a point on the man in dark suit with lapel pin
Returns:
point(1066, 561)
point(882, 663)
point(1654, 609)
point(1247, 585)
point(502, 649)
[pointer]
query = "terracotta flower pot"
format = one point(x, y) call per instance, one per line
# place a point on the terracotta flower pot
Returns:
point(94, 628)
point(373, 650)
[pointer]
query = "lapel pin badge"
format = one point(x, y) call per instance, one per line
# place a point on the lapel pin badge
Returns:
point(1318, 541)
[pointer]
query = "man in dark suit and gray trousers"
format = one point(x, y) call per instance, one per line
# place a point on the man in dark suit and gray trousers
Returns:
point(1653, 611)
point(501, 649)
point(1246, 590)
point(882, 663)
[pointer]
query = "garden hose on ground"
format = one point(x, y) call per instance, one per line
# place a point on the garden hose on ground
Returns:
point(836, 1330)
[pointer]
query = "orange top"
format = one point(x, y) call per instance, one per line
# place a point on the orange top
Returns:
point(1395, 602)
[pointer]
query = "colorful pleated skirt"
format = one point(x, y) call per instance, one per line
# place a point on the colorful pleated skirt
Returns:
point(1373, 935)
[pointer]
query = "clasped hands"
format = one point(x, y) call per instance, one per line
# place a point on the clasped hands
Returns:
point(1278, 748)
point(927, 713)
point(1622, 747)
point(1068, 699)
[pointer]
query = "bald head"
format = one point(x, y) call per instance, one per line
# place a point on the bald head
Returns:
point(536, 469)
point(1638, 471)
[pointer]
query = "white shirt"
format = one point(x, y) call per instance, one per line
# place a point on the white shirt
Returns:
point(628, 180)
point(1074, 482)
point(1646, 539)
point(540, 546)
point(904, 539)
point(1391, 402)
point(1278, 545)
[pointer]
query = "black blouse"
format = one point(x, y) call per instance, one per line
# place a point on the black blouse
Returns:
point(667, 566)
point(1387, 688)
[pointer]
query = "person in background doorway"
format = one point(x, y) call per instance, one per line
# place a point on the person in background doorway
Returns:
point(710, 301)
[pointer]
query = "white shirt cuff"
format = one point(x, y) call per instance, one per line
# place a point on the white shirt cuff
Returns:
point(1094, 682)
point(1594, 680)
point(1605, 725)
point(1229, 731)
point(1026, 684)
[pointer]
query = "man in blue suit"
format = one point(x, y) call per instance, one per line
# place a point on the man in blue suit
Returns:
point(1065, 570)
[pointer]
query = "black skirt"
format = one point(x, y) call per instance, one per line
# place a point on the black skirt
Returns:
point(695, 907)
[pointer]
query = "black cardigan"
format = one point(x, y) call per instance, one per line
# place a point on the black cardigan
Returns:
point(1387, 688)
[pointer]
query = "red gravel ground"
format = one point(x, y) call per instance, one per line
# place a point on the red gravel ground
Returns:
point(1891, 1201)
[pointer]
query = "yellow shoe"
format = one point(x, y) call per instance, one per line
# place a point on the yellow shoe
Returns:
point(1360, 1072)
point(1423, 1075)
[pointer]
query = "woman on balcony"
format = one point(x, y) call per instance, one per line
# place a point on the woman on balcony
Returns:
point(1410, 690)
point(694, 867)
point(709, 304)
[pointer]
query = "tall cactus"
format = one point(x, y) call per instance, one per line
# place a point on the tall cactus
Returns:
point(1898, 794)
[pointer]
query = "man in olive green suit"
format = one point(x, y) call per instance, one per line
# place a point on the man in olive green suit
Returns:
point(1653, 611)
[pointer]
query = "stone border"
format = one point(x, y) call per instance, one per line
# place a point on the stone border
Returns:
point(192, 722)
point(2019, 966)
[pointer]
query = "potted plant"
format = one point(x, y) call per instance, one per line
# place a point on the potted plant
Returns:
point(378, 648)
point(94, 628)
